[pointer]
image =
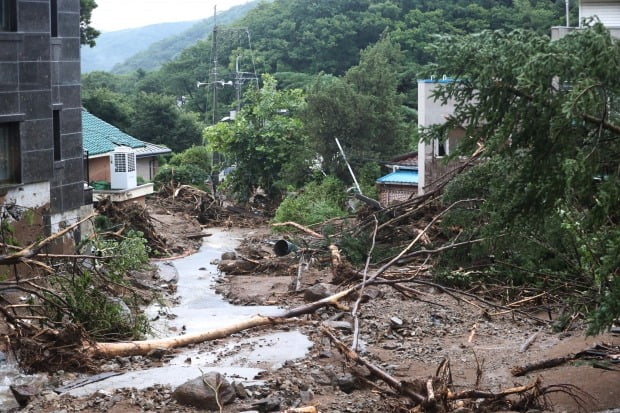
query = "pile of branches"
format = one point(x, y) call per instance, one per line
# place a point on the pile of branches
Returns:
point(135, 217)
point(204, 207)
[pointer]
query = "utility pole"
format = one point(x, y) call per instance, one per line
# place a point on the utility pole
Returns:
point(214, 60)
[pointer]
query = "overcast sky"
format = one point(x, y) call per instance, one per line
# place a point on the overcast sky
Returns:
point(111, 15)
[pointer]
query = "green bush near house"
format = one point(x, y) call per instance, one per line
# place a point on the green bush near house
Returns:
point(315, 203)
point(182, 175)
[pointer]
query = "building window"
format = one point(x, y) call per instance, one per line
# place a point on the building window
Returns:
point(7, 16)
point(9, 153)
point(54, 17)
point(56, 127)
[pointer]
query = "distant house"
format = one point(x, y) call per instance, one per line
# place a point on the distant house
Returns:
point(432, 165)
point(117, 161)
point(607, 12)
point(402, 183)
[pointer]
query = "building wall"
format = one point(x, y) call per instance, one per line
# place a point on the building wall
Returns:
point(608, 11)
point(147, 168)
point(40, 74)
point(99, 169)
point(391, 194)
point(431, 165)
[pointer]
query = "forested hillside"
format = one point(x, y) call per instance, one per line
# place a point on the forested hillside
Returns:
point(168, 47)
point(115, 47)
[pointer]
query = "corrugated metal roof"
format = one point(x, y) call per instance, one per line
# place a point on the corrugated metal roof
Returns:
point(401, 176)
point(100, 137)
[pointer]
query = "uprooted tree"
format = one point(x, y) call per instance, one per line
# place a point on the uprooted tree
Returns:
point(547, 113)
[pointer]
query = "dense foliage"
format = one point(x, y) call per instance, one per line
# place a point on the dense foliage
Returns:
point(362, 110)
point(315, 203)
point(265, 142)
point(548, 116)
point(88, 34)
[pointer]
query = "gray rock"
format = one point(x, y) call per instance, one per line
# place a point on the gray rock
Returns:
point(396, 323)
point(200, 392)
point(347, 383)
point(319, 291)
point(229, 256)
point(24, 393)
point(2, 357)
point(339, 325)
point(321, 377)
point(306, 396)
point(123, 308)
point(240, 390)
point(268, 404)
point(168, 273)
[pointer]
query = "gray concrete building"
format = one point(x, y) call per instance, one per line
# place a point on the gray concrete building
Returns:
point(41, 154)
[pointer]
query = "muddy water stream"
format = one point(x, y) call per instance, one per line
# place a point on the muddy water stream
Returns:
point(201, 309)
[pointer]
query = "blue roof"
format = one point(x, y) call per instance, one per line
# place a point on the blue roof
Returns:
point(401, 176)
point(100, 137)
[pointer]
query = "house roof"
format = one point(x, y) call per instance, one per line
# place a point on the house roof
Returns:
point(99, 137)
point(407, 159)
point(401, 176)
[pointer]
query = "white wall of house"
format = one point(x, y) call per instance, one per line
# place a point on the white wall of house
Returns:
point(608, 11)
point(36, 197)
point(29, 196)
point(430, 112)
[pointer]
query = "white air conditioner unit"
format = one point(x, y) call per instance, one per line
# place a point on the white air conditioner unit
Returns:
point(123, 168)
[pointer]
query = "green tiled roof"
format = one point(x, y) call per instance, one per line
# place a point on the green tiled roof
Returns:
point(101, 137)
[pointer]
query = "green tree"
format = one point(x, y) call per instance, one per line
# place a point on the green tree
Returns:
point(157, 119)
point(88, 34)
point(548, 115)
point(110, 106)
point(363, 110)
point(265, 139)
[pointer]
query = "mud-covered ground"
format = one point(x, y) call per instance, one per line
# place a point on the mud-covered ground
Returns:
point(406, 337)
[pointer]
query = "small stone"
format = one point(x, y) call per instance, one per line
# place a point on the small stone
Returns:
point(318, 292)
point(339, 325)
point(268, 404)
point(157, 353)
point(306, 396)
point(229, 256)
point(240, 390)
point(396, 323)
point(347, 383)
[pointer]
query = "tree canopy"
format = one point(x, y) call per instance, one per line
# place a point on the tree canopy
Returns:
point(88, 34)
point(547, 113)
point(265, 142)
point(362, 109)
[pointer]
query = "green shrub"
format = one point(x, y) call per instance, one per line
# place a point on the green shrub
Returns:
point(86, 303)
point(316, 202)
point(86, 296)
point(196, 155)
point(182, 175)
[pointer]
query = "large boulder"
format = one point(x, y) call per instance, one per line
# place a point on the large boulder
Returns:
point(201, 392)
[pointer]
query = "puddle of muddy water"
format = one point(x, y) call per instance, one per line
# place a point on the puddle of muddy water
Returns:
point(201, 309)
